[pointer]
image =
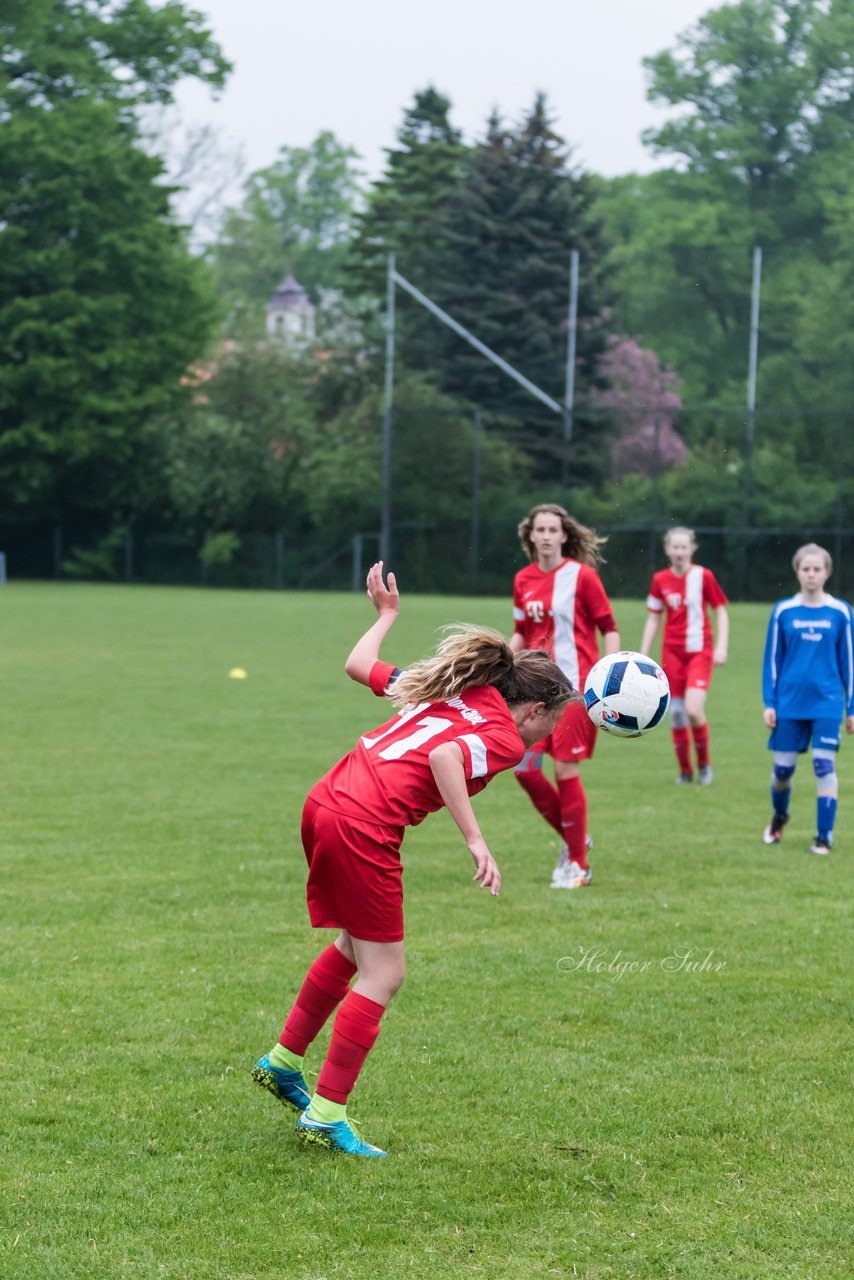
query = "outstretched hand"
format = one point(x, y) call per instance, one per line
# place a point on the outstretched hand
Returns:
point(384, 598)
point(487, 869)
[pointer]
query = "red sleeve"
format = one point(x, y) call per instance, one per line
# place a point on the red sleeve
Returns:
point(489, 749)
point(712, 590)
point(596, 601)
point(655, 600)
point(380, 677)
point(518, 611)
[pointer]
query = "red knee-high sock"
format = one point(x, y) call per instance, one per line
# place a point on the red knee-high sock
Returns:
point(682, 747)
point(573, 811)
point(356, 1027)
point(544, 796)
point(326, 984)
point(700, 733)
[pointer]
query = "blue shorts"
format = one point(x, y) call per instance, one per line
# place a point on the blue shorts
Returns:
point(794, 735)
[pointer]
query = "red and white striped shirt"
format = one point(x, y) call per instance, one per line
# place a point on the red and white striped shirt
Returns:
point(685, 598)
point(562, 611)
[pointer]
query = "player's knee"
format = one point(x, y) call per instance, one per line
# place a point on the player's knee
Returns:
point(678, 714)
point(781, 778)
point(395, 979)
point(824, 767)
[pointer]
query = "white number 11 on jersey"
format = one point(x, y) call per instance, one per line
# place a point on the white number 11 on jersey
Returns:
point(430, 727)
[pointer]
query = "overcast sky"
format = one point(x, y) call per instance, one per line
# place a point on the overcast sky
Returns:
point(351, 66)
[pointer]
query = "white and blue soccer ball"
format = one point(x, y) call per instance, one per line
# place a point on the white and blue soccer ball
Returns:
point(626, 694)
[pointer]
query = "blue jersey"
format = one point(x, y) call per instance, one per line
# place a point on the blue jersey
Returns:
point(809, 660)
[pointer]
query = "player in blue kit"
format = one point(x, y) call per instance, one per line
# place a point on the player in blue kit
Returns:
point(809, 665)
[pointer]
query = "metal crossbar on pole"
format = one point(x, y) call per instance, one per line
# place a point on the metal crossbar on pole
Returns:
point(476, 343)
point(572, 333)
point(393, 278)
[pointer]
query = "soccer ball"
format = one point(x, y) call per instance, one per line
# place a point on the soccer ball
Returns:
point(626, 694)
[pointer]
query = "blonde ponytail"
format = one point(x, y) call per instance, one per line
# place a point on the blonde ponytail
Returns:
point(476, 656)
point(467, 656)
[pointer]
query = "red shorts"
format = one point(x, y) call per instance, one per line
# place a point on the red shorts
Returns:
point(573, 737)
point(686, 670)
point(355, 876)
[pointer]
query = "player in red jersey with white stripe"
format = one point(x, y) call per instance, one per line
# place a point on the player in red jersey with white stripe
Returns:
point(466, 714)
point(683, 594)
point(560, 605)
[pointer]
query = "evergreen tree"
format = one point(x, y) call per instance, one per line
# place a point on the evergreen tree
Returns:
point(404, 206)
point(519, 211)
point(403, 216)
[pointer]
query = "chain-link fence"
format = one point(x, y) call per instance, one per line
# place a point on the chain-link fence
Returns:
point(751, 564)
point(753, 487)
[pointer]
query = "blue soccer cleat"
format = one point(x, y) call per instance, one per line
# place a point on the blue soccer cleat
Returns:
point(341, 1136)
point(287, 1086)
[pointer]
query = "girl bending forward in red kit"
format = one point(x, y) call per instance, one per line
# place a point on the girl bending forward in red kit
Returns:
point(682, 594)
point(465, 715)
point(560, 605)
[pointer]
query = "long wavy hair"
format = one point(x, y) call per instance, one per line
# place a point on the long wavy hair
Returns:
point(470, 656)
point(581, 543)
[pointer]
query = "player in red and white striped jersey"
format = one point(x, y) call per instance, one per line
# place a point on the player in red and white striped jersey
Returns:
point(465, 715)
point(682, 595)
point(560, 605)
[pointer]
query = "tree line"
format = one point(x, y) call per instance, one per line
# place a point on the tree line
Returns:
point(138, 386)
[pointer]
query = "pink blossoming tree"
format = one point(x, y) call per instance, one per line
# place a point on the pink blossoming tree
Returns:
point(640, 392)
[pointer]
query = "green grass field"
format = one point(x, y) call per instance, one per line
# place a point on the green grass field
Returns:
point(547, 1112)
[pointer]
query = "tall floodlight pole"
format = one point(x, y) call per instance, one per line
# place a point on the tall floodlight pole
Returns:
point(572, 333)
point(747, 470)
point(474, 554)
point(751, 380)
point(385, 515)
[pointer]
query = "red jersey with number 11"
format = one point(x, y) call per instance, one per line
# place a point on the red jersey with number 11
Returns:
point(387, 778)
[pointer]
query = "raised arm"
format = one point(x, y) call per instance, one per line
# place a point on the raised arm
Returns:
point(447, 764)
point(386, 601)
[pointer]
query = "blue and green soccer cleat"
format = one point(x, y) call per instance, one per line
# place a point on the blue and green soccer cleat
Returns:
point(341, 1136)
point(287, 1086)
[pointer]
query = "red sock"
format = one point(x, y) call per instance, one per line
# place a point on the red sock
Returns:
point(544, 796)
point(682, 746)
point(356, 1027)
point(573, 811)
point(326, 984)
point(700, 734)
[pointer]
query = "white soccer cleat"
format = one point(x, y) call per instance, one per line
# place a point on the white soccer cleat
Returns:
point(563, 862)
point(560, 866)
point(572, 877)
